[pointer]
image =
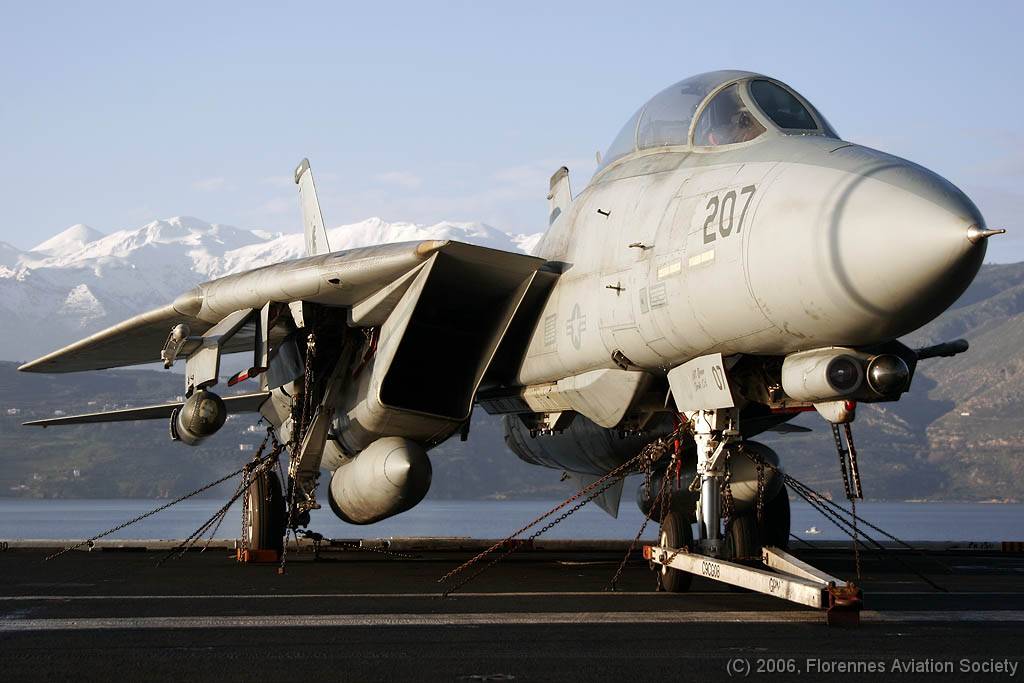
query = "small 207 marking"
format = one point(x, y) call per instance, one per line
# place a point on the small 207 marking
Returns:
point(4, 545)
point(722, 217)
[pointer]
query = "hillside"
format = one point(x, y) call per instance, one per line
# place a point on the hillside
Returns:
point(959, 433)
point(138, 459)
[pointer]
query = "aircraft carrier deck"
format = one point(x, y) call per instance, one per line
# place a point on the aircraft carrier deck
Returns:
point(542, 614)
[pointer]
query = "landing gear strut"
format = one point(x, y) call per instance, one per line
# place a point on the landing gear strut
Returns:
point(714, 432)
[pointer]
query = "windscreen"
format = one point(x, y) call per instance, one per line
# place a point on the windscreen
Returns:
point(781, 106)
point(726, 121)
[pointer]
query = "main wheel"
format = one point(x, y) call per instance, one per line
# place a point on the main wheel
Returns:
point(675, 533)
point(265, 526)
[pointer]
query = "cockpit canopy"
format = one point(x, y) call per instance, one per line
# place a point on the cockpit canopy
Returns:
point(730, 107)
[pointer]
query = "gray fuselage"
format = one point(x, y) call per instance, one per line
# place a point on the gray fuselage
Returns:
point(784, 243)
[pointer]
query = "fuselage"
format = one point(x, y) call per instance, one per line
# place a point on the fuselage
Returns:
point(781, 244)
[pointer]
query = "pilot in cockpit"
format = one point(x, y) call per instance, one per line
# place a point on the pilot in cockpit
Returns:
point(727, 121)
point(741, 127)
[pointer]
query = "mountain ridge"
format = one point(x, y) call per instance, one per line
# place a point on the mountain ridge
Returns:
point(93, 280)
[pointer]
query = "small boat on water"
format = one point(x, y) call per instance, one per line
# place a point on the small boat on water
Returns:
point(813, 531)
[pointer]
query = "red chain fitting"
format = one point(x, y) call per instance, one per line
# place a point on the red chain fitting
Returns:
point(844, 605)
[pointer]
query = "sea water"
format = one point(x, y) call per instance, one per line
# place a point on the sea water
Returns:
point(80, 519)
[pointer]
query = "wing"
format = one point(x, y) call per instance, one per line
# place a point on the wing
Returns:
point(132, 342)
point(368, 280)
point(245, 403)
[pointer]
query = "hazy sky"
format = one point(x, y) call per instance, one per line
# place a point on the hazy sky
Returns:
point(115, 114)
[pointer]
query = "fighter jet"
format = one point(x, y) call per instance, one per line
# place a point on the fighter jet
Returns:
point(732, 263)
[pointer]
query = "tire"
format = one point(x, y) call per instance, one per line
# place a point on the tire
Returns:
point(675, 533)
point(743, 538)
point(777, 521)
point(266, 513)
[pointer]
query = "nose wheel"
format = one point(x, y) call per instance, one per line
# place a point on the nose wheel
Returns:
point(676, 532)
point(745, 540)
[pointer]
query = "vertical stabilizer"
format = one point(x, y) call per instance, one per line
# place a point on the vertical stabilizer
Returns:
point(560, 195)
point(312, 219)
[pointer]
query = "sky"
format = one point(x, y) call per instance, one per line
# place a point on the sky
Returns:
point(115, 114)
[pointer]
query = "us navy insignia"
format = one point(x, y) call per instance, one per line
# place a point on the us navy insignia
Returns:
point(575, 326)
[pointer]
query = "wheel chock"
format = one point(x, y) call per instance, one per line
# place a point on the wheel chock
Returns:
point(246, 556)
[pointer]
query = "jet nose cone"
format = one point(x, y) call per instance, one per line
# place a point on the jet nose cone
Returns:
point(859, 247)
point(904, 244)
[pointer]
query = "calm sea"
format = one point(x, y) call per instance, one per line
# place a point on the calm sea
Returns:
point(79, 519)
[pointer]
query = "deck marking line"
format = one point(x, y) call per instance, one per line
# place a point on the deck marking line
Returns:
point(381, 596)
point(484, 619)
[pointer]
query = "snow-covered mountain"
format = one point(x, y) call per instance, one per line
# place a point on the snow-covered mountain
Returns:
point(81, 280)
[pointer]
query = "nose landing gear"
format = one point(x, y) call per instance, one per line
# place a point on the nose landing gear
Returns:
point(750, 554)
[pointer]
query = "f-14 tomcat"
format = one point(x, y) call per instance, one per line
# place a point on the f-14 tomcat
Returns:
point(732, 262)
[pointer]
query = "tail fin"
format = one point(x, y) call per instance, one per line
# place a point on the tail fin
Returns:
point(560, 195)
point(312, 219)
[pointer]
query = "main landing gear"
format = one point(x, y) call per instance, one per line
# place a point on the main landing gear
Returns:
point(263, 518)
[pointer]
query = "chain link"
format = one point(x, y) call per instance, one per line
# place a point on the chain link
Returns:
point(681, 549)
point(247, 481)
point(513, 544)
point(854, 466)
point(835, 513)
point(651, 452)
point(254, 468)
point(299, 428)
point(850, 470)
point(729, 505)
point(123, 525)
point(648, 475)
